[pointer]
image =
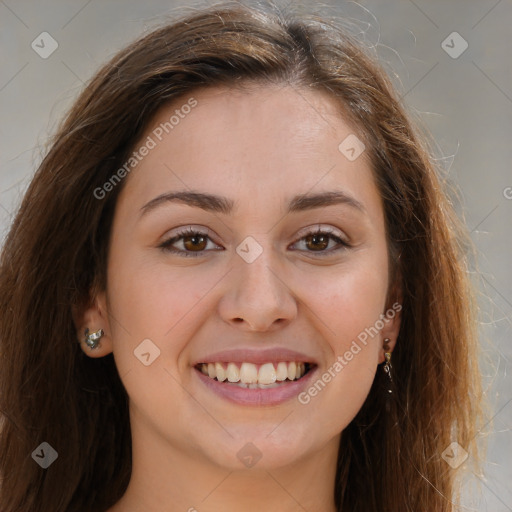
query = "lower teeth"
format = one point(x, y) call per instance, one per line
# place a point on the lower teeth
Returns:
point(256, 385)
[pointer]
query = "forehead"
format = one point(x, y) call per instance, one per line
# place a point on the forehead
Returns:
point(280, 119)
point(259, 143)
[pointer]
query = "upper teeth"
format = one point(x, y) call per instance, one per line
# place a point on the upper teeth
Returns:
point(249, 373)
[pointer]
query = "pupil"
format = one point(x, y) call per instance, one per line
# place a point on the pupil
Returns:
point(196, 240)
point(320, 239)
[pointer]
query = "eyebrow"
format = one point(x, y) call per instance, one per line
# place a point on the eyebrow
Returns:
point(224, 205)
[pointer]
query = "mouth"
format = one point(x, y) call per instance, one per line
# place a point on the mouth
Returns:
point(256, 376)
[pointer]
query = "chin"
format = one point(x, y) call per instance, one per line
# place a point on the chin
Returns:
point(254, 447)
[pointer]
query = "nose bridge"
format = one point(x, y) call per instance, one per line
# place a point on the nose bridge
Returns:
point(257, 266)
point(258, 293)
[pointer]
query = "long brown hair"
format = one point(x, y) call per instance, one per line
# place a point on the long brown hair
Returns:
point(56, 251)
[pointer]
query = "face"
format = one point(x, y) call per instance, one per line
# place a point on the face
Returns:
point(264, 275)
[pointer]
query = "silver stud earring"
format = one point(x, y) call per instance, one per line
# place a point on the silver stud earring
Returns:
point(93, 340)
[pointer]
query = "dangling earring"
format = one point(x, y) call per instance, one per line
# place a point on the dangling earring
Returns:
point(387, 366)
point(93, 340)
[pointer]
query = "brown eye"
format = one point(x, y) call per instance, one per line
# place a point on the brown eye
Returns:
point(193, 243)
point(318, 241)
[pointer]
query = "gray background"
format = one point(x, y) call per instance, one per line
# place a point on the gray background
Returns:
point(465, 102)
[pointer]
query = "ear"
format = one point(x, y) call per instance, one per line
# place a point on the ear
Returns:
point(392, 321)
point(93, 317)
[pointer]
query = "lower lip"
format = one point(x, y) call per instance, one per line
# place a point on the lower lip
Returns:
point(261, 397)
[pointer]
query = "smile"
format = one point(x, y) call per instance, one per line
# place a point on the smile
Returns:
point(253, 376)
point(256, 384)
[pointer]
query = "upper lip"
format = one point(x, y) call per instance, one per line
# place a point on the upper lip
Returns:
point(256, 356)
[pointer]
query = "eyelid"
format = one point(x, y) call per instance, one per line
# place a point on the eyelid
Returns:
point(325, 229)
point(183, 232)
point(192, 230)
point(189, 229)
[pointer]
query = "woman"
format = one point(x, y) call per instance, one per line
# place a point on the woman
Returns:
point(236, 282)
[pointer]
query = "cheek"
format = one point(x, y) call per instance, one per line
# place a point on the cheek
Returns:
point(349, 307)
point(163, 305)
point(348, 300)
point(156, 302)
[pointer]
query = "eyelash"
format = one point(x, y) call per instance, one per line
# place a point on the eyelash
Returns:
point(190, 232)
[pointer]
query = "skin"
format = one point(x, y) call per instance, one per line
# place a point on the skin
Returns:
point(258, 147)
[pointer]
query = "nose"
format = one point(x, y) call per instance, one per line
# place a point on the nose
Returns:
point(257, 295)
